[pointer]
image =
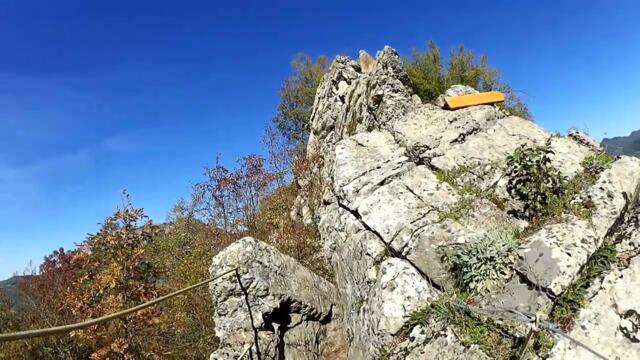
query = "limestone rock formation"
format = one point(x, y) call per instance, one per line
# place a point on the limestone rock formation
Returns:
point(272, 304)
point(610, 322)
point(384, 217)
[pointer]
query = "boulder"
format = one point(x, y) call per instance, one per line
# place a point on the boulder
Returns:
point(455, 90)
point(273, 304)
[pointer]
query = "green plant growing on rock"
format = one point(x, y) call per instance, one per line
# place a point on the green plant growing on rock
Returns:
point(452, 177)
point(449, 309)
point(568, 305)
point(483, 263)
point(459, 179)
point(457, 210)
point(383, 353)
point(542, 345)
point(595, 164)
point(533, 180)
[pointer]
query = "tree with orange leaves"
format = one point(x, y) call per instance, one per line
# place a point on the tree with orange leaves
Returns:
point(113, 274)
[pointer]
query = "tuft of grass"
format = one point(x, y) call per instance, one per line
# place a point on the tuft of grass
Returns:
point(568, 305)
point(569, 202)
point(453, 176)
point(542, 344)
point(595, 164)
point(473, 330)
point(466, 191)
point(457, 211)
point(383, 353)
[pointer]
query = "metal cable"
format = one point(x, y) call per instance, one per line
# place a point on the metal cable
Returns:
point(246, 350)
point(510, 314)
point(77, 326)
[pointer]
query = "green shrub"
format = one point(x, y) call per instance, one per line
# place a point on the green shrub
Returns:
point(483, 263)
point(533, 180)
point(595, 164)
point(431, 75)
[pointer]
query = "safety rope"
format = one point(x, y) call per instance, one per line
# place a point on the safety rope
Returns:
point(72, 327)
point(497, 313)
point(536, 320)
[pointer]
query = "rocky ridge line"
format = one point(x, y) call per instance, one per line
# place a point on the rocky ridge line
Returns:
point(379, 152)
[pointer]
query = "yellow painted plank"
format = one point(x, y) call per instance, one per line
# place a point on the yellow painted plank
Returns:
point(457, 102)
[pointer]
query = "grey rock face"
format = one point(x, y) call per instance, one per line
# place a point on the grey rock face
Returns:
point(610, 322)
point(554, 255)
point(381, 154)
point(425, 343)
point(276, 306)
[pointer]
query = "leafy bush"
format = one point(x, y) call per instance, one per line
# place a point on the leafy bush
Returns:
point(595, 164)
point(533, 180)
point(430, 78)
point(483, 263)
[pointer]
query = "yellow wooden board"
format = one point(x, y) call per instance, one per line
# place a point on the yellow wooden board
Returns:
point(457, 102)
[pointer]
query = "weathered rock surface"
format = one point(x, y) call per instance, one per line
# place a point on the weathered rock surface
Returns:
point(424, 343)
point(455, 90)
point(381, 154)
point(273, 304)
point(554, 255)
point(610, 322)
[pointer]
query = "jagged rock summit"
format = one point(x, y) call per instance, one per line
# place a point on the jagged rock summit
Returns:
point(388, 221)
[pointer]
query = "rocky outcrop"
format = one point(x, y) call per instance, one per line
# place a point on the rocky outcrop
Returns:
point(272, 304)
point(610, 322)
point(384, 213)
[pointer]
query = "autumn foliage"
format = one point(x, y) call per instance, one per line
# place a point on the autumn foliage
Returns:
point(131, 260)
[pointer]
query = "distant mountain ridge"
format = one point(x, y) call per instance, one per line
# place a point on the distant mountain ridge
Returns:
point(9, 288)
point(623, 145)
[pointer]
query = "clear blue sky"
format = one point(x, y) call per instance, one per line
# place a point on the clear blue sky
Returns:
point(96, 97)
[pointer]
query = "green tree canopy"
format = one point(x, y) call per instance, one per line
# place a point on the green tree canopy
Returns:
point(297, 94)
point(431, 78)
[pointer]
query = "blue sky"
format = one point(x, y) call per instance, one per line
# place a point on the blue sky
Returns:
point(96, 97)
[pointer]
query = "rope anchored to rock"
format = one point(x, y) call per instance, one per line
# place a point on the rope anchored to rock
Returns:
point(537, 321)
point(91, 322)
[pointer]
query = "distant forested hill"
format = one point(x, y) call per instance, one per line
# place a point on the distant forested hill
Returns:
point(9, 288)
point(623, 145)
